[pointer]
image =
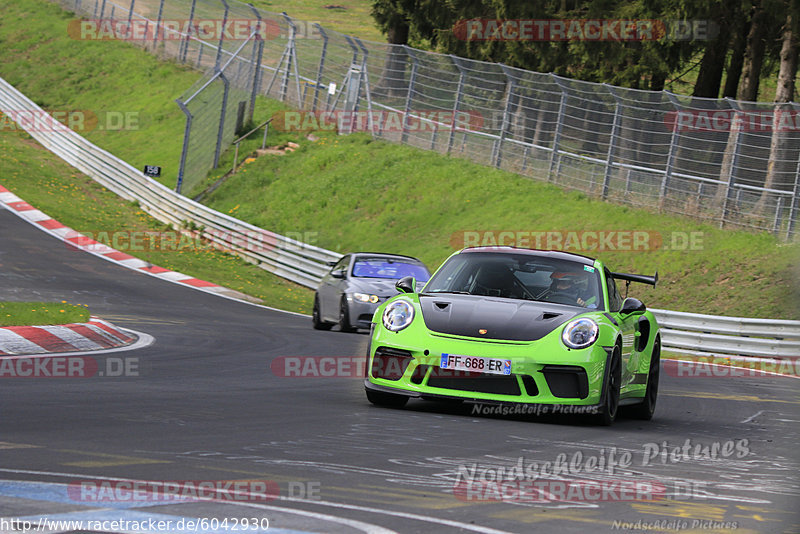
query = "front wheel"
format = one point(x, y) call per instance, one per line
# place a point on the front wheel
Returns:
point(316, 317)
point(644, 410)
point(611, 398)
point(390, 400)
point(344, 317)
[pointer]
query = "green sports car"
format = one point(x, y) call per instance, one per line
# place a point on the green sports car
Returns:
point(518, 331)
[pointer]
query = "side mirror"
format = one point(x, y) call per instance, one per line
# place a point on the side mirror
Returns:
point(632, 306)
point(406, 285)
point(338, 274)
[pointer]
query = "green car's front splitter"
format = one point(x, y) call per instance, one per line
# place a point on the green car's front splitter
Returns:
point(542, 372)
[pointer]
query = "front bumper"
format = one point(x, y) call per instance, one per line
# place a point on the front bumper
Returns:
point(543, 372)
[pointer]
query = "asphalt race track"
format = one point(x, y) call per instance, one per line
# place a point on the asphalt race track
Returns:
point(203, 404)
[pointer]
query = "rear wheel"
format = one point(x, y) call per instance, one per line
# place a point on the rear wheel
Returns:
point(391, 400)
point(316, 317)
point(344, 317)
point(610, 405)
point(644, 411)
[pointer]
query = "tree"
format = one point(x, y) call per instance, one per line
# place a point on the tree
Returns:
point(710, 76)
point(739, 30)
point(754, 54)
point(783, 94)
point(392, 19)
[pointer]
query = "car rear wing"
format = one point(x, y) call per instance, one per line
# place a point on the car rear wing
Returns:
point(641, 278)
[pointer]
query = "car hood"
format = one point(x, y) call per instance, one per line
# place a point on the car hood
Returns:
point(506, 319)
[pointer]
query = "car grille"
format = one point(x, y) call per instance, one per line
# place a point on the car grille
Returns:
point(566, 381)
point(389, 363)
point(466, 381)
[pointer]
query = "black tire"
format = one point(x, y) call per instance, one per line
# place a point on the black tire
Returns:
point(644, 410)
point(610, 404)
point(390, 400)
point(344, 317)
point(316, 318)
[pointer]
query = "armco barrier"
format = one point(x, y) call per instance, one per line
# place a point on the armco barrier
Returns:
point(306, 264)
point(299, 262)
point(693, 332)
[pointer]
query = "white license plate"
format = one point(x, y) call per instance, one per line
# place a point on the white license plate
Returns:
point(476, 364)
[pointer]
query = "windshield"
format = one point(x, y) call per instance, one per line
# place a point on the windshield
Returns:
point(519, 276)
point(389, 268)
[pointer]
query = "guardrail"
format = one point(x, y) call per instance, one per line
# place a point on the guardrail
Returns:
point(299, 262)
point(714, 334)
point(305, 264)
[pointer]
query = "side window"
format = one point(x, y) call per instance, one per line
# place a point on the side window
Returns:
point(614, 298)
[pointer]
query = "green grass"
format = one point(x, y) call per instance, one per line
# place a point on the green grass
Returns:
point(41, 313)
point(341, 193)
point(351, 17)
point(104, 79)
point(54, 187)
point(360, 194)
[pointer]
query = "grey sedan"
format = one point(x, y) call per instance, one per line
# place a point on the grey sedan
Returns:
point(356, 285)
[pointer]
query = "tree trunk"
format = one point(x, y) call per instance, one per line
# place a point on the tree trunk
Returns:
point(727, 170)
point(738, 44)
point(783, 94)
point(754, 56)
point(713, 63)
point(658, 81)
point(393, 80)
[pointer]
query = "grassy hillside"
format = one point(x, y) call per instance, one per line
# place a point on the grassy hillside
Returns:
point(44, 180)
point(363, 194)
point(350, 193)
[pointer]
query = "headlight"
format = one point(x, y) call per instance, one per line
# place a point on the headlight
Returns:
point(363, 297)
point(580, 333)
point(398, 315)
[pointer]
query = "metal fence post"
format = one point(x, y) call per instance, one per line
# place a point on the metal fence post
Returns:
point(184, 49)
point(320, 67)
point(412, 79)
point(776, 224)
point(795, 204)
point(185, 150)
point(352, 89)
point(367, 90)
point(457, 104)
point(673, 150)
point(221, 129)
point(291, 61)
point(256, 63)
point(144, 34)
point(275, 74)
point(555, 157)
point(130, 14)
point(102, 10)
point(612, 142)
point(498, 144)
point(221, 37)
point(158, 25)
point(731, 183)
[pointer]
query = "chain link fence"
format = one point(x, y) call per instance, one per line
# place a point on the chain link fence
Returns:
point(732, 162)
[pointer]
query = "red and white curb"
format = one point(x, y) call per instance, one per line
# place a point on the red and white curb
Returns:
point(93, 336)
point(80, 242)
